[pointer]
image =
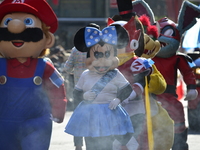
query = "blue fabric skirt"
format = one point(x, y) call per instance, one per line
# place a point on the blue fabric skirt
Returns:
point(97, 120)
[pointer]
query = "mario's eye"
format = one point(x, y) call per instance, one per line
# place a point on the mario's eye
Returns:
point(7, 21)
point(28, 22)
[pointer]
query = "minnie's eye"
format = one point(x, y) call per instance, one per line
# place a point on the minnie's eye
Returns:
point(98, 55)
point(28, 22)
point(7, 21)
point(107, 54)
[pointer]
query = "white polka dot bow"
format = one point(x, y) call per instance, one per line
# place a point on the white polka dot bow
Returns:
point(93, 35)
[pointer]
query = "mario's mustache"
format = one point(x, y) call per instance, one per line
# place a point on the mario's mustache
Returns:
point(28, 35)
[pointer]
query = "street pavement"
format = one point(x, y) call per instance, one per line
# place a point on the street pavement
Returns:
point(63, 141)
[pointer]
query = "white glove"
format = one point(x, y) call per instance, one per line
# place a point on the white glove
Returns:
point(126, 101)
point(114, 103)
point(191, 94)
point(89, 95)
point(54, 119)
point(132, 96)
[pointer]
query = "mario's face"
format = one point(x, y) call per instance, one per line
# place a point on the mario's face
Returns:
point(102, 58)
point(22, 36)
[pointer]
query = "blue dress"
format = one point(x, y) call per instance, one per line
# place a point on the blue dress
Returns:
point(95, 118)
point(24, 112)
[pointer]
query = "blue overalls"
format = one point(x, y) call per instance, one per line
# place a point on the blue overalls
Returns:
point(25, 122)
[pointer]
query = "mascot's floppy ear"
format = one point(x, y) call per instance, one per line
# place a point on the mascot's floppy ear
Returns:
point(187, 16)
point(142, 8)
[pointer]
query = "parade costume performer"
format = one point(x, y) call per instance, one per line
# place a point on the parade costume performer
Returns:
point(168, 62)
point(32, 91)
point(194, 105)
point(76, 63)
point(146, 48)
point(161, 122)
point(190, 43)
point(99, 117)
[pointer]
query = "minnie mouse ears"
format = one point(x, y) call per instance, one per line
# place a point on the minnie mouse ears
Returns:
point(86, 37)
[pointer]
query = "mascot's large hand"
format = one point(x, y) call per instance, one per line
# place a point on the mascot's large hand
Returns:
point(140, 65)
point(140, 68)
point(89, 95)
point(191, 94)
point(114, 103)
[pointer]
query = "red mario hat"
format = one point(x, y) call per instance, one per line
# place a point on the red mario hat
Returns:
point(39, 8)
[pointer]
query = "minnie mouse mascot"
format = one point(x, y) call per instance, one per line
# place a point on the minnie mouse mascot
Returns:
point(99, 117)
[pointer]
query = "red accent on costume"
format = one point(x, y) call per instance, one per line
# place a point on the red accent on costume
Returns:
point(150, 29)
point(126, 71)
point(56, 95)
point(168, 68)
point(180, 89)
point(125, 12)
point(134, 34)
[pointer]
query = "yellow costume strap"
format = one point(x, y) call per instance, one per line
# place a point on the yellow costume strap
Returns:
point(125, 57)
point(148, 115)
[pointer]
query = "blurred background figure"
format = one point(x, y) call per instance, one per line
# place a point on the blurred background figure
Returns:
point(191, 46)
point(73, 68)
point(191, 41)
point(58, 56)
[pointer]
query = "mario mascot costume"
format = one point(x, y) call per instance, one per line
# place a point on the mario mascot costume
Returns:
point(32, 91)
point(168, 62)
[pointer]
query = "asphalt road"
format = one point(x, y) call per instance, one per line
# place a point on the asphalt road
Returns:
point(63, 141)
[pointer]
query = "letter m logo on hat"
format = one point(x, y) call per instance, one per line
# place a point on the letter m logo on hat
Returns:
point(18, 1)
